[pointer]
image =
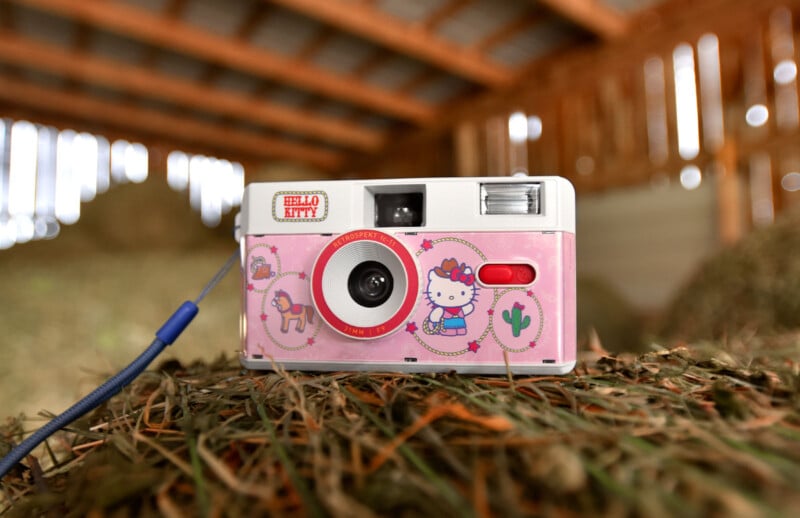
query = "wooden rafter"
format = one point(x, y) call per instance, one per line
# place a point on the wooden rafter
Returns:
point(20, 51)
point(378, 58)
point(373, 24)
point(156, 144)
point(423, 77)
point(138, 23)
point(443, 13)
point(508, 31)
point(258, 15)
point(157, 123)
point(593, 15)
point(324, 35)
point(172, 10)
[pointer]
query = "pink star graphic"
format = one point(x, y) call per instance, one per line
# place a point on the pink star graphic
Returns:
point(250, 287)
point(273, 249)
point(530, 293)
point(427, 244)
point(473, 346)
point(302, 276)
point(532, 344)
point(263, 317)
point(490, 312)
point(310, 341)
point(411, 327)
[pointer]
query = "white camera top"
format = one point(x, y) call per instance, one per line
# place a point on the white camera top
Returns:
point(534, 203)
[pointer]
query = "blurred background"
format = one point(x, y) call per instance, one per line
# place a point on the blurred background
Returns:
point(129, 127)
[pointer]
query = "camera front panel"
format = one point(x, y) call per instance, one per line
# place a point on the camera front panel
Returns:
point(460, 317)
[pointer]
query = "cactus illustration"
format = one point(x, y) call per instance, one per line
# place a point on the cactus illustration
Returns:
point(515, 319)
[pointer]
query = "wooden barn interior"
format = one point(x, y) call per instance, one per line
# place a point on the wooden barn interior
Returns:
point(129, 127)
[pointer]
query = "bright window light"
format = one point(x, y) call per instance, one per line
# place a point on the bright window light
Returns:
point(225, 173)
point(22, 169)
point(4, 129)
point(178, 170)
point(118, 150)
point(215, 186)
point(791, 182)
point(68, 184)
point(757, 115)
point(237, 183)
point(534, 127)
point(46, 174)
point(210, 194)
point(8, 232)
point(785, 72)
point(686, 101)
point(45, 224)
point(22, 178)
point(85, 164)
point(103, 165)
point(711, 90)
point(691, 177)
point(198, 166)
point(136, 163)
point(518, 127)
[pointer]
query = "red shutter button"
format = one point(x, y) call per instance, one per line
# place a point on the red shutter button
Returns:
point(506, 274)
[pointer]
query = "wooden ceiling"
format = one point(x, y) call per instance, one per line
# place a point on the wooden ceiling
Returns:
point(325, 82)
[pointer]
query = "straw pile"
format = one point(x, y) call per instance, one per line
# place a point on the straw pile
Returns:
point(753, 287)
point(677, 432)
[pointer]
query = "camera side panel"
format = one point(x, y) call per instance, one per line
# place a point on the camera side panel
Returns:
point(458, 324)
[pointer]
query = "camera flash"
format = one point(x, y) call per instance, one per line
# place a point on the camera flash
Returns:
point(510, 198)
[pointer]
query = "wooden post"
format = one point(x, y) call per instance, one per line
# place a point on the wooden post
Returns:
point(729, 194)
point(497, 146)
point(467, 150)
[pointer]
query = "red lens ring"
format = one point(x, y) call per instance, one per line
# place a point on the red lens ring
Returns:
point(406, 307)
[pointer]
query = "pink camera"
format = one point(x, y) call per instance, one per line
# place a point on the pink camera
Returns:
point(474, 275)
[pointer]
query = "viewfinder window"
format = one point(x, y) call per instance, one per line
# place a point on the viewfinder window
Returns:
point(404, 209)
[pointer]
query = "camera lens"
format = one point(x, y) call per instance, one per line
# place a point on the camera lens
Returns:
point(370, 284)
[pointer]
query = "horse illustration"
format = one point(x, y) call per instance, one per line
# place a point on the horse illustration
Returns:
point(290, 311)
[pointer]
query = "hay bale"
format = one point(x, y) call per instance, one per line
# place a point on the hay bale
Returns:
point(145, 217)
point(670, 433)
point(753, 286)
point(602, 309)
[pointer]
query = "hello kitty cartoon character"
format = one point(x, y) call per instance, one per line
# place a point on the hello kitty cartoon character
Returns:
point(451, 291)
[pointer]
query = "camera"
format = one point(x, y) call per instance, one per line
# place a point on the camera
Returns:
point(474, 275)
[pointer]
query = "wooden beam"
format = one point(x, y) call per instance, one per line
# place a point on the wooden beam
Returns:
point(508, 31)
point(157, 143)
point(593, 15)
point(446, 11)
point(560, 77)
point(179, 36)
point(576, 68)
point(28, 53)
point(418, 80)
point(730, 208)
point(323, 36)
point(259, 13)
point(373, 24)
point(157, 123)
point(374, 61)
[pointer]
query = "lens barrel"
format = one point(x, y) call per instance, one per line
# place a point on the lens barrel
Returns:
point(370, 284)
